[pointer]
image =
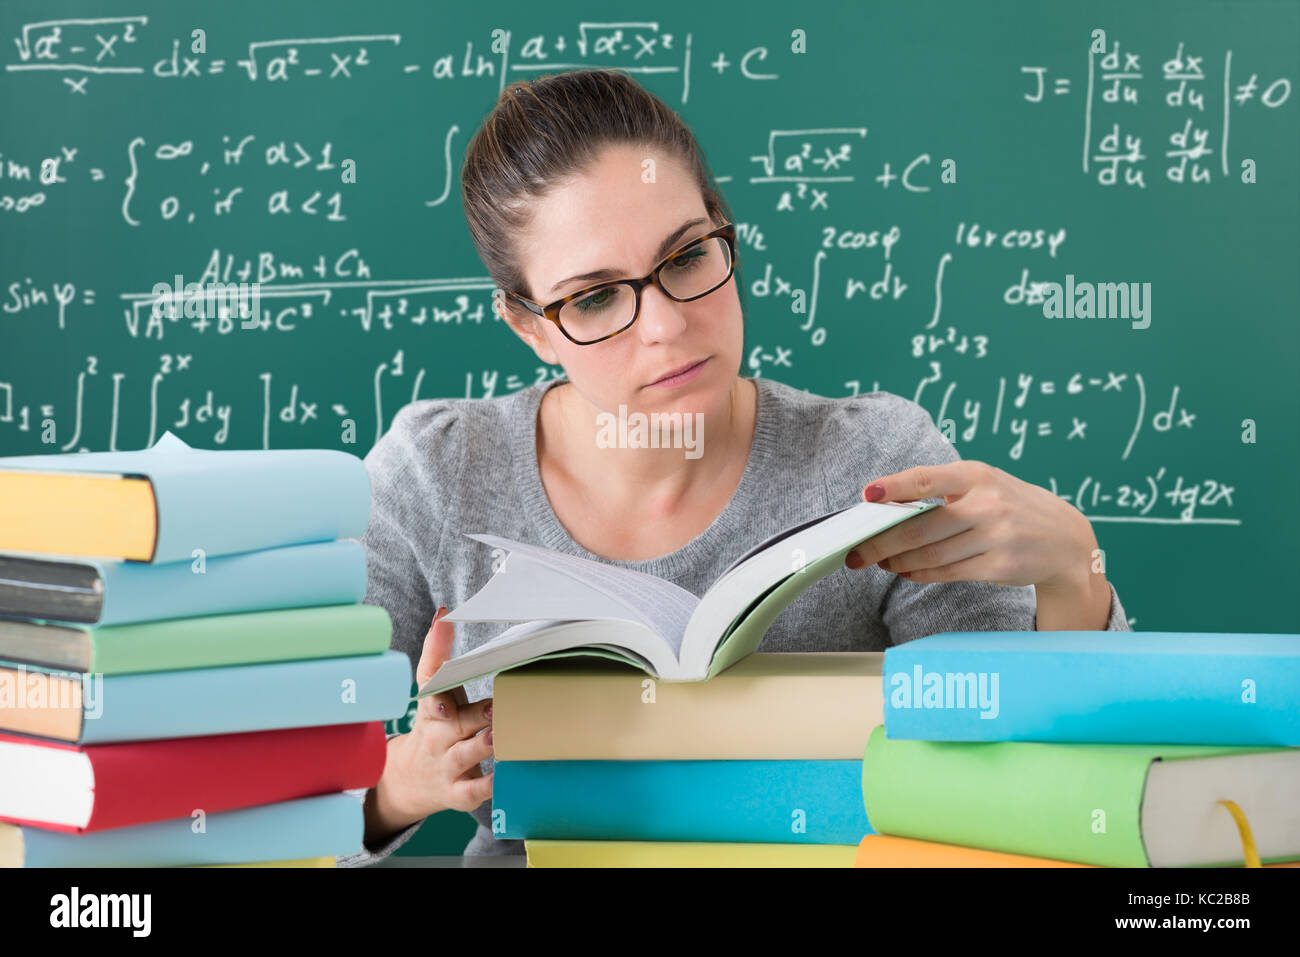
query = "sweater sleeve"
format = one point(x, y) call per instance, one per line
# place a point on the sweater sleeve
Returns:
point(915, 609)
point(366, 856)
point(404, 497)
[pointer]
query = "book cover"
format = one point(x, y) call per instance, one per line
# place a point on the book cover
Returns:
point(169, 501)
point(104, 592)
point(326, 825)
point(748, 802)
point(744, 713)
point(93, 709)
point(72, 788)
point(1117, 805)
point(286, 634)
point(1095, 687)
point(685, 854)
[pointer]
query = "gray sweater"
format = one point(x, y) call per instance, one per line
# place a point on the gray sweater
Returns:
point(451, 466)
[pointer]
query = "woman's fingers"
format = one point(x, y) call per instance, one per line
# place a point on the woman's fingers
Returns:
point(471, 791)
point(468, 753)
point(435, 652)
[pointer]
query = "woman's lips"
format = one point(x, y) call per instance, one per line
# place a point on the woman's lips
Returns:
point(681, 378)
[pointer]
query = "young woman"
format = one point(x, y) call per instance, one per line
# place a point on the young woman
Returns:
point(584, 180)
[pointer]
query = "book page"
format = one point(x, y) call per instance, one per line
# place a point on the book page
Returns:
point(778, 536)
point(525, 590)
point(660, 605)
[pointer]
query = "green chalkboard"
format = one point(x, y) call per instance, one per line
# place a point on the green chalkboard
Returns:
point(906, 178)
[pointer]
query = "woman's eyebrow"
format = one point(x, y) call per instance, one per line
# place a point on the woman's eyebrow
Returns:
point(665, 247)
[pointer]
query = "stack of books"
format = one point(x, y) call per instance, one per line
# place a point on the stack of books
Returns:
point(599, 766)
point(187, 675)
point(685, 748)
point(1148, 749)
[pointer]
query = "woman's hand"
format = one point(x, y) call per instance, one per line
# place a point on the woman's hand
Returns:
point(435, 766)
point(993, 528)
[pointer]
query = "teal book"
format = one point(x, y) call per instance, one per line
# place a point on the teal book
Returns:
point(97, 591)
point(1098, 687)
point(323, 825)
point(96, 709)
point(763, 802)
point(172, 503)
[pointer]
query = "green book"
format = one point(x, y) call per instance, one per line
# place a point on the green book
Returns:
point(1114, 805)
point(209, 641)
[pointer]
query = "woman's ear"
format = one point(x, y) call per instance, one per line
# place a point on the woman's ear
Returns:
point(526, 325)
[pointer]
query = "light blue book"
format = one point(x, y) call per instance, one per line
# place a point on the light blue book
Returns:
point(320, 826)
point(226, 501)
point(766, 802)
point(96, 709)
point(1097, 687)
point(105, 592)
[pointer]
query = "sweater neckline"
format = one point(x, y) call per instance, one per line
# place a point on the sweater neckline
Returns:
point(721, 533)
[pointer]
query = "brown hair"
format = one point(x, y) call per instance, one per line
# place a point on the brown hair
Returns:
point(545, 130)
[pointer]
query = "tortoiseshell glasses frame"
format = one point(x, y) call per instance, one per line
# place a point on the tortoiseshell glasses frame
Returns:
point(726, 232)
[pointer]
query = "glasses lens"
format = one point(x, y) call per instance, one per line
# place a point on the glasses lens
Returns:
point(700, 269)
point(599, 313)
point(697, 271)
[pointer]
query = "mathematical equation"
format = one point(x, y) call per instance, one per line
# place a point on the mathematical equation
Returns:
point(107, 46)
point(1115, 80)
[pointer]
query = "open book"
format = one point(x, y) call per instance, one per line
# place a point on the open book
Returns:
point(567, 605)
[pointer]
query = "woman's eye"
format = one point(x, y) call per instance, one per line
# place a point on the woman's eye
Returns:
point(686, 260)
point(594, 301)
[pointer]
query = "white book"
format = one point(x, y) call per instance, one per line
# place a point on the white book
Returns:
point(564, 605)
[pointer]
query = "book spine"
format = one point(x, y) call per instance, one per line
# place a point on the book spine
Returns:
point(685, 854)
point(293, 694)
point(727, 718)
point(776, 802)
point(1067, 802)
point(323, 573)
point(1184, 698)
point(325, 631)
point(141, 781)
point(292, 497)
point(324, 825)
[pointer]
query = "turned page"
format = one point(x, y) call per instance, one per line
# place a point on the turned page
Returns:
point(660, 605)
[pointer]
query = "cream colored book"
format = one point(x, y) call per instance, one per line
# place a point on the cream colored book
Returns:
point(800, 706)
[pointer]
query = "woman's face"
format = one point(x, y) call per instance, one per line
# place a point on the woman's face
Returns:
point(610, 217)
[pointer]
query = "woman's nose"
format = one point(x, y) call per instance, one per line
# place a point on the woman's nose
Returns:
point(661, 318)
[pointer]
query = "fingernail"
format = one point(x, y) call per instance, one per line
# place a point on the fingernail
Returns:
point(489, 737)
point(442, 610)
point(487, 712)
point(875, 493)
point(853, 560)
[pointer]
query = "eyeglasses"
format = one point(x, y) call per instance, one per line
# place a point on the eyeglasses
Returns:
point(608, 308)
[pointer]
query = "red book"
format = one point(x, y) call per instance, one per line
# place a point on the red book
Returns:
point(78, 788)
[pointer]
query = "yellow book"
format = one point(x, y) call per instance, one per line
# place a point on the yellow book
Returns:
point(300, 862)
point(685, 854)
